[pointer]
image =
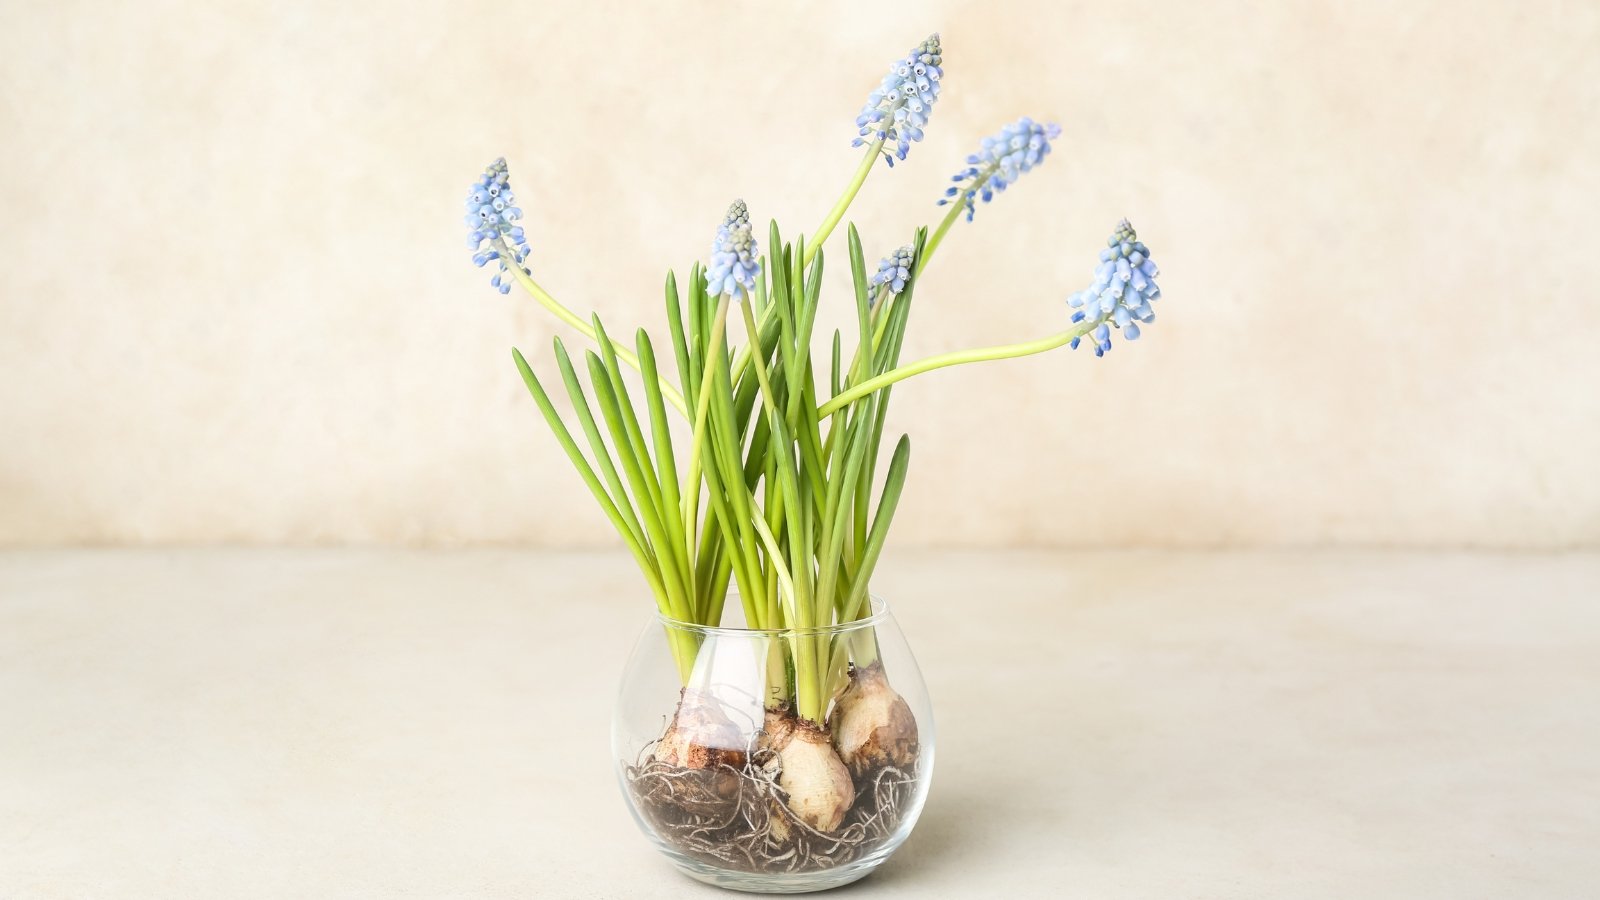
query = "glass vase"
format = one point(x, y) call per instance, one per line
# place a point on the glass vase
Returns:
point(739, 789)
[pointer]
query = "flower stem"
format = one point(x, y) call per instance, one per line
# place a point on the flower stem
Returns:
point(837, 213)
point(566, 315)
point(938, 236)
point(956, 358)
point(741, 360)
point(885, 298)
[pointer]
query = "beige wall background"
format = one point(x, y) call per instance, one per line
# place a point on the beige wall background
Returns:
point(235, 306)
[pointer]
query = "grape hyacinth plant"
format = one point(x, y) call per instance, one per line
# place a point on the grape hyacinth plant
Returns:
point(748, 483)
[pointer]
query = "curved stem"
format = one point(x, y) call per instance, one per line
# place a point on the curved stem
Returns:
point(959, 357)
point(571, 318)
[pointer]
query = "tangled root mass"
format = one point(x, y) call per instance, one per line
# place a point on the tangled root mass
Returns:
point(751, 827)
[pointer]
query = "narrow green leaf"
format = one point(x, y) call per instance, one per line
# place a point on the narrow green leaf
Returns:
point(630, 419)
point(834, 385)
point(666, 462)
point(586, 472)
point(580, 406)
point(894, 483)
point(640, 478)
point(858, 277)
point(680, 344)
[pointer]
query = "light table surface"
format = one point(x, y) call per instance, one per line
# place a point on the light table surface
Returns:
point(383, 723)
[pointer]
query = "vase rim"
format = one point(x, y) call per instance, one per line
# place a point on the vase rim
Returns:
point(879, 612)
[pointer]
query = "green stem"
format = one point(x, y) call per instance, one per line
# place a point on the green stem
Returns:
point(938, 236)
point(957, 204)
point(814, 244)
point(571, 318)
point(956, 358)
point(777, 674)
point(837, 213)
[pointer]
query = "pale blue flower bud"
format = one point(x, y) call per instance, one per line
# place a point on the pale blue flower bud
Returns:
point(1124, 287)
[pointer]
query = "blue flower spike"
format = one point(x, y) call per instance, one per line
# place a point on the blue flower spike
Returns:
point(492, 230)
point(735, 255)
point(895, 270)
point(898, 110)
point(1003, 158)
point(1123, 289)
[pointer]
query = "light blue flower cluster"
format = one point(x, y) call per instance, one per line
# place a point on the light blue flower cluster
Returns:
point(735, 256)
point(895, 270)
point(492, 232)
point(1123, 289)
point(1004, 157)
point(899, 109)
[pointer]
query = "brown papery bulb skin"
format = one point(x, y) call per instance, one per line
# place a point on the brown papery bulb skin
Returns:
point(701, 736)
point(872, 724)
point(816, 781)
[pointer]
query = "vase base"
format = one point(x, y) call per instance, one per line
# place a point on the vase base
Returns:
point(778, 882)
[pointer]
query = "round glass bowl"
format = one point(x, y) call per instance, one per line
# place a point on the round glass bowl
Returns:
point(740, 791)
